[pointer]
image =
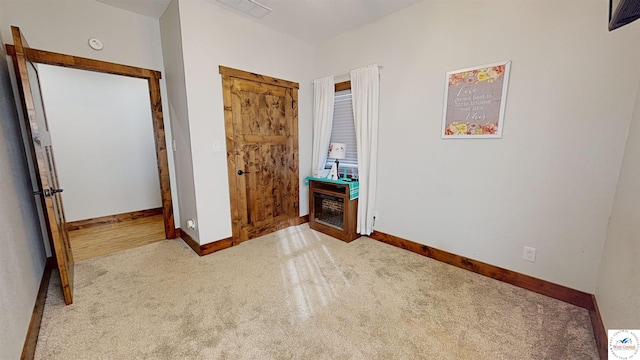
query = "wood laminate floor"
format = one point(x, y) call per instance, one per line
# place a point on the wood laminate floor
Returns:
point(106, 239)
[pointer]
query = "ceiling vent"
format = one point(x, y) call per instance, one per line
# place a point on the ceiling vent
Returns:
point(250, 7)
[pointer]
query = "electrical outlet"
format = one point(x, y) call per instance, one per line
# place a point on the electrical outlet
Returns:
point(529, 254)
point(191, 224)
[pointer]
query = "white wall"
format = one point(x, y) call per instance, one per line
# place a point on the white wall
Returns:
point(22, 258)
point(102, 132)
point(177, 98)
point(211, 37)
point(549, 182)
point(617, 291)
point(65, 26)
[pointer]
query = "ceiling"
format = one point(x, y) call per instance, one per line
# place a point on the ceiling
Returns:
point(311, 21)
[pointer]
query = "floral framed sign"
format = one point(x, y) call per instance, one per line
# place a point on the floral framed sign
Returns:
point(474, 102)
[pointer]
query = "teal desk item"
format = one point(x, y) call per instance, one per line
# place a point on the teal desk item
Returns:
point(354, 186)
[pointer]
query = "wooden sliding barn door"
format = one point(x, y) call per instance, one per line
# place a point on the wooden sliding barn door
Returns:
point(42, 152)
point(261, 118)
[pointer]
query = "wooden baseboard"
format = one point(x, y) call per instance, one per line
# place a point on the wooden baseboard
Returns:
point(559, 292)
point(189, 241)
point(599, 331)
point(221, 244)
point(111, 219)
point(536, 285)
point(206, 249)
point(31, 340)
point(210, 248)
point(303, 219)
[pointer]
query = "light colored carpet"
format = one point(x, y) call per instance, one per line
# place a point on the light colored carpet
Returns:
point(298, 294)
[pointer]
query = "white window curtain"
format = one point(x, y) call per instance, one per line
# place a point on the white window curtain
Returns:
point(323, 98)
point(365, 92)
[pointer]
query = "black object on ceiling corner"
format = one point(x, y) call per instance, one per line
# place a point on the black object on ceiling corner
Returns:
point(622, 12)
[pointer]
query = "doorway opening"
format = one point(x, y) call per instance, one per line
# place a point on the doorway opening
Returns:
point(130, 228)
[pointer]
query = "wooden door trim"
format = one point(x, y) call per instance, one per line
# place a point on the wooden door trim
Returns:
point(44, 166)
point(245, 75)
point(76, 62)
point(345, 85)
point(153, 79)
point(228, 74)
point(31, 148)
point(231, 159)
point(295, 161)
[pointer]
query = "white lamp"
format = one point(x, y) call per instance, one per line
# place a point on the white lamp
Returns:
point(337, 151)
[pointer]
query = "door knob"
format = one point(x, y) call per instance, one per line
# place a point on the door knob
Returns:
point(240, 172)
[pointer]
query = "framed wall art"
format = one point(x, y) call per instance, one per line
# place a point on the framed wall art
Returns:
point(474, 101)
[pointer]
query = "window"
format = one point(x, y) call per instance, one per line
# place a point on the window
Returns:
point(343, 129)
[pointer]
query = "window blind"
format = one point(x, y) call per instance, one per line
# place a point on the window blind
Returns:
point(343, 129)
